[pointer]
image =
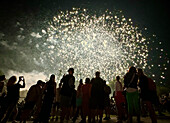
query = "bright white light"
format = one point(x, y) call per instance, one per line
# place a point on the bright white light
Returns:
point(91, 43)
point(107, 83)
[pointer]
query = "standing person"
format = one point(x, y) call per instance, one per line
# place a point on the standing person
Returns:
point(57, 102)
point(120, 100)
point(33, 96)
point(2, 89)
point(78, 100)
point(146, 94)
point(49, 95)
point(86, 93)
point(38, 104)
point(73, 104)
point(97, 97)
point(12, 98)
point(132, 95)
point(66, 94)
point(107, 92)
point(79, 95)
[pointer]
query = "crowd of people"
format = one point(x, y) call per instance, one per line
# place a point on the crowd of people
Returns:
point(89, 101)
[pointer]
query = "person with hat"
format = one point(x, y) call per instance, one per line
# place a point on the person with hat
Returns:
point(66, 93)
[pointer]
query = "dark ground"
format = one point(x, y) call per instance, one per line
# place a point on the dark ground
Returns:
point(161, 119)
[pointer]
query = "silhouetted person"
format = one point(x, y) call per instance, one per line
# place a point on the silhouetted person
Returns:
point(132, 95)
point(2, 89)
point(107, 92)
point(119, 99)
point(78, 100)
point(86, 93)
point(146, 94)
point(66, 93)
point(73, 104)
point(49, 95)
point(97, 97)
point(38, 107)
point(31, 100)
point(58, 96)
point(56, 103)
point(12, 98)
point(167, 102)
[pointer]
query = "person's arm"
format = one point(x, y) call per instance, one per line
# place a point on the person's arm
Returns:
point(73, 80)
point(125, 82)
point(63, 79)
point(90, 90)
point(54, 92)
point(55, 88)
point(116, 88)
point(23, 86)
point(21, 79)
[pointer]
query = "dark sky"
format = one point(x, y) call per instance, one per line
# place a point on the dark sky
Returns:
point(152, 14)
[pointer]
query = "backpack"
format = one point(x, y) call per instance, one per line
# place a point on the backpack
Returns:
point(152, 91)
point(107, 89)
point(151, 85)
point(71, 82)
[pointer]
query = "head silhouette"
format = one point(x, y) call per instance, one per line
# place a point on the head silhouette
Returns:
point(39, 82)
point(71, 71)
point(132, 69)
point(117, 78)
point(12, 80)
point(140, 72)
point(97, 74)
point(52, 78)
point(87, 80)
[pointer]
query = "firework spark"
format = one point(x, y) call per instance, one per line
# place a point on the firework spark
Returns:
point(108, 43)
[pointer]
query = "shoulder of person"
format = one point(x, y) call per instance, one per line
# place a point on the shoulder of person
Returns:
point(126, 75)
point(47, 83)
point(101, 79)
point(73, 77)
point(108, 87)
point(33, 86)
point(64, 77)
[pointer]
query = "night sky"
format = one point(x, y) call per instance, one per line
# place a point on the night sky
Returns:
point(34, 15)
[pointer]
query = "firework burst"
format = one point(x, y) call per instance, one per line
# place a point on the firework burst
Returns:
point(108, 43)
